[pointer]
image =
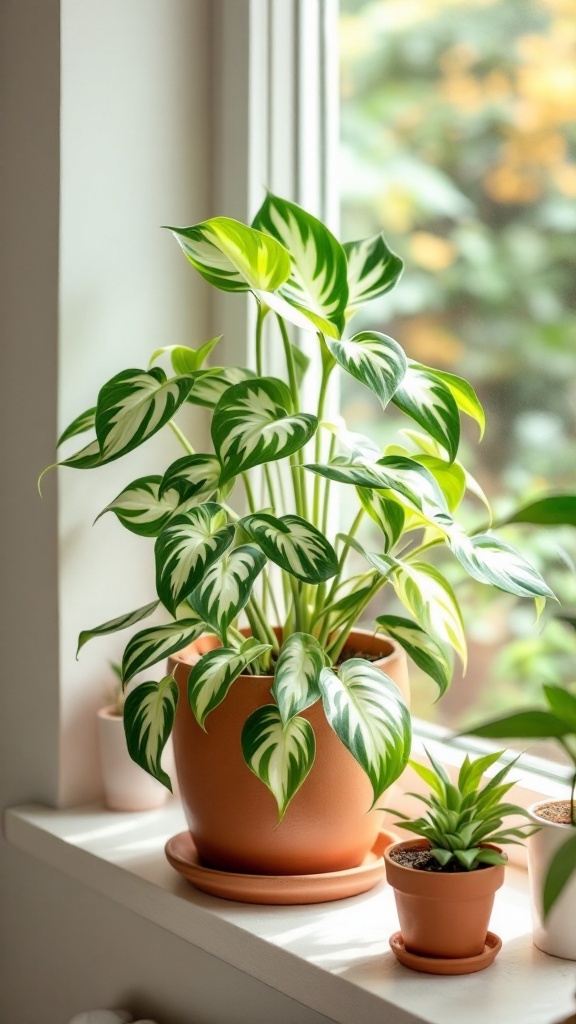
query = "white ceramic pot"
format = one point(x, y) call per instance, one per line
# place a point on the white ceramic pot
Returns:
point(556, 935)
point(127, 787)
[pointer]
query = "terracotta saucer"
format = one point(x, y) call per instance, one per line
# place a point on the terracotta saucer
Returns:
point(278, 889)
point(444, 965)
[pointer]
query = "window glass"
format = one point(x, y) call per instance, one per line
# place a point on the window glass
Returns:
point(458, 140)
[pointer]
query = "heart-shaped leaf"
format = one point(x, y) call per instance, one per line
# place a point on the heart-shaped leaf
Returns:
point(373, 269)
point(85, 421)
point(226, 587)
point(193, 476)
point(234, 257)
point(424, 651)
point(281, 756)
point(374, 359)
point(184, 550)
point(115, 625)
point(150, 646)
point(367, 712)
point(210, 385)
point(294, 544)
point(424, 397)
point(428, 596)
point(388, 514)
point(213, 675)
point(149, 714)
point(317, 285)
point(296, 676)
point(491, 561)
point(253, 423)
point(140, 508)
point(133, 406)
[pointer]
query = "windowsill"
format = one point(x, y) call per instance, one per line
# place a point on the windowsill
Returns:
point(333, 957)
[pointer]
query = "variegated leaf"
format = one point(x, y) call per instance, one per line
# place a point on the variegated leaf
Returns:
point(373, 269)
point(85, 421)
point(281, 756)
point(193, 476)
point(359, 447)
point(185, 359)
point(149, 714)
point(253, 423)
point(140, 508)
point(213, 675)
point(210, 385)
point(226, 587)
point(374, 359)
point(428, 446)
point(87, 458)
point(465, 397)
point(115, 625)
point(491, 561)
point(317, 285)
point(424, 397)
point(133, 406)
point(428, 596)
point(294, 544)
point(296, 675)
point(367, 712)
point(388, 514)
point(233, 256)
point(424, 651)
point(187, 546)
point(150, 646)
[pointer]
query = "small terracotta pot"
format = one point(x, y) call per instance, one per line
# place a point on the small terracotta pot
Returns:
point(556, 934)
point(233, 817)
point(442, 915)
point(127, 787)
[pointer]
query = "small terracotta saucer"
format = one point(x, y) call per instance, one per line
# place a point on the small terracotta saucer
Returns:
point(445, 965)
point(278, 889)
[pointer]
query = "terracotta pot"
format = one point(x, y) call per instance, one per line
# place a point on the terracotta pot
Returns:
point(442, 915)
point(127, 787)
point(233, 817)
point(556, 934)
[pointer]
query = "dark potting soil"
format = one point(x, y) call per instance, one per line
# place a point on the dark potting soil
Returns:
point(422, 860)
point(557, 811)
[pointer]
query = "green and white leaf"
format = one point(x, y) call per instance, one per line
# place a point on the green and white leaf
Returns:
point(87, 458)
point(115, 625)
point(213, 675)
point(424, 397)
point(281, 756)
point(150, 646)
point(424, 651)
point(133, 406)
point(149, 714)
point(317, 285)
point(253, 423)
point(187, 546)
point(226, 587)
point(359, 447)
point(374, 359)
point(373, 269)
point(234, 257)
point(428, 446)
point(491, 561)
point(367, 712)
point(185, 359)
point(210, 385)
point(428, 596)
point(293, 544)
point(388, 514)
point(140, 508)
point(465, 397)
point(297, 674)
point(85, 421)
point(192, 476)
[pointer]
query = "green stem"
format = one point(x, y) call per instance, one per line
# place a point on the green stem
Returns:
point(265, 630)
point(181, 437)
point(269, 593)
point(249, 492)
point(259, 324)
point(344, 554)
point(335, 650)
point(289, 364)
point(270, 486)
point(316, 519)
point(327, 483)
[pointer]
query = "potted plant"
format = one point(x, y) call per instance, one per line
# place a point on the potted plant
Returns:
point(444, 882)
point(246, 529)
point(552, 849)
point(127, 787)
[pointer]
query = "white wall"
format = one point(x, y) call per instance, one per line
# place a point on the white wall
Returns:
point(135, 149)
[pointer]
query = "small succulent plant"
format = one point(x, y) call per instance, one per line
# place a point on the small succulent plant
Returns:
point(463, 817)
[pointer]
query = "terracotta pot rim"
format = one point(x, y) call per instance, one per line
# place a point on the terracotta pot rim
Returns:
point(187, 657)
point(533, 812)
point(438, 883)
point(108, 712)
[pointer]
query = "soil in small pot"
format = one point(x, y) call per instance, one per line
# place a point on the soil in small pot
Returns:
point(422, 860)
point(558, 811)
